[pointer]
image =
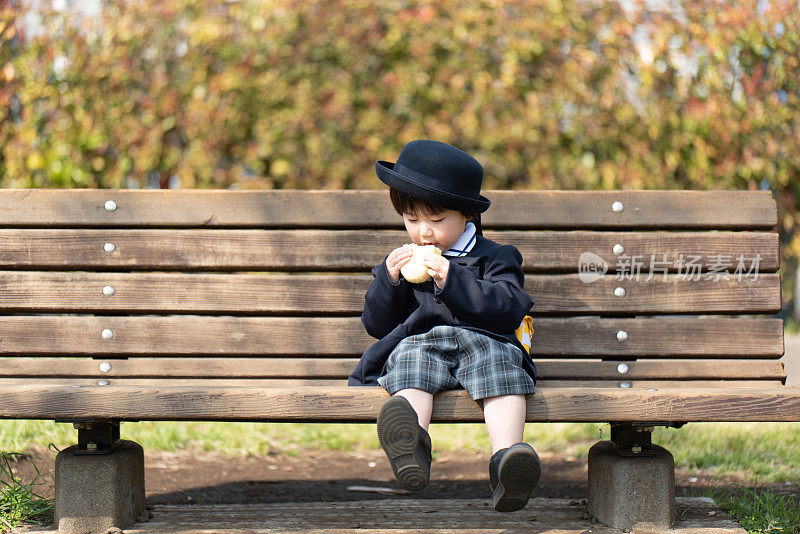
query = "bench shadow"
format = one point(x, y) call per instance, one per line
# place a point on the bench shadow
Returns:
point(341, 490)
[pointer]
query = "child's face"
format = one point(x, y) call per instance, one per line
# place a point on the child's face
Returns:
point(442, 230)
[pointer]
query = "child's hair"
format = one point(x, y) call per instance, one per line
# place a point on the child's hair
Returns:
point(404, 203)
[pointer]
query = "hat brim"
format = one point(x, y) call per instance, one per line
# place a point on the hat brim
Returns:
point(426, 193)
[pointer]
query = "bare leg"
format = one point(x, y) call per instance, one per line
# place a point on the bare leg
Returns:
point(505, 420)
point(422, 402)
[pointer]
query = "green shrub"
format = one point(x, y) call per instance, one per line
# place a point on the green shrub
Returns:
point(281, 94)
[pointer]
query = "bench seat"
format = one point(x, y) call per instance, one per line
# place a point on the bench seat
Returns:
point(164, 402)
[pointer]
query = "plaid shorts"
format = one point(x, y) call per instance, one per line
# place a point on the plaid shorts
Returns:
point(447, 356)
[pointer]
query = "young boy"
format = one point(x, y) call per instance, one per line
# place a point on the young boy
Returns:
point(455, 329)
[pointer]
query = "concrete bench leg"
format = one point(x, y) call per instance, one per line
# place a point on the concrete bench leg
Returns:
point(627, 489)
point(95, 492)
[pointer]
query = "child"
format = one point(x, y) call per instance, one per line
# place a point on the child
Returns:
point(455, 329)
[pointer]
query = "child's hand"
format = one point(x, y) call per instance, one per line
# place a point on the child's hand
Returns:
point(438, 267)
point(397, 258)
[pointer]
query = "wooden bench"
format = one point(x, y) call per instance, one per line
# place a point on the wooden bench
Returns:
point(235, 305)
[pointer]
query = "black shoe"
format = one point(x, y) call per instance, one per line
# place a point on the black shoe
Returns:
point(406, 444)
point(513, 473)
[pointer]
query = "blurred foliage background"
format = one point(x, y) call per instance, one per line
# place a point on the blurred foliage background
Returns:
point(281, 94)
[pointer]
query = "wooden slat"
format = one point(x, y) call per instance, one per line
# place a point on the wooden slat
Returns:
point(22, 291)
point(360, 250)
point(662, 369)
point(282, 209)
point(677, 294)
point(229, 383)
point(320, 294)
point(320, 368)
point(361, 404)
point(659, 337)
point(339, 336)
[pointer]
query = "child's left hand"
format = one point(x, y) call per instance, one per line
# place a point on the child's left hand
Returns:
point(437, 268)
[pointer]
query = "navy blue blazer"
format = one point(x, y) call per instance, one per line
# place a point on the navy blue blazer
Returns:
point(483, 292)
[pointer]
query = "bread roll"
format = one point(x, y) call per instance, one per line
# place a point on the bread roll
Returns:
point(413, 270)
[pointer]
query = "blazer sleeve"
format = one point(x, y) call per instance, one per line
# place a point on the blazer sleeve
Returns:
point(498, 302)
point(385, 305)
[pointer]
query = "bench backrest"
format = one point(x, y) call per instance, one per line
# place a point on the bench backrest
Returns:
point(266, 287)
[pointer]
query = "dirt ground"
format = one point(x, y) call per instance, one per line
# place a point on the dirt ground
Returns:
point(322, 476)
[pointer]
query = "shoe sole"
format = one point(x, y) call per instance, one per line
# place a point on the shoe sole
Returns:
point(518, 474)
point(398, 433)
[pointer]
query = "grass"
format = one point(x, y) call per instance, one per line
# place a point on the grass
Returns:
point(245, 439)
point(758, 510)
point(757, 452)
point(791, 326)
point(20, 501)
point(768, 452)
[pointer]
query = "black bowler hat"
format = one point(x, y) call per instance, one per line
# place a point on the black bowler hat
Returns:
point(438, 174)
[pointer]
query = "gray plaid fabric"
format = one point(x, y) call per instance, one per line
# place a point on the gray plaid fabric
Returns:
point(447, 356)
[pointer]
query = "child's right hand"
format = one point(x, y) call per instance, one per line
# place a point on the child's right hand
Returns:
point(397, 258)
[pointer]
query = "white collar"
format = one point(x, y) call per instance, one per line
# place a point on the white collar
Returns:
point(464, 243)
